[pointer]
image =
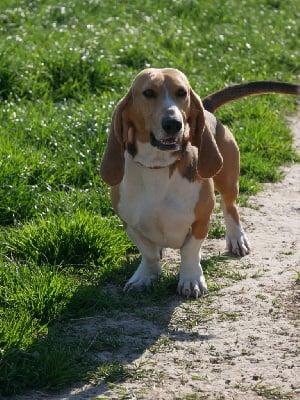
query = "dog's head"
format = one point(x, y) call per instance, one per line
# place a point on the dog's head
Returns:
point(154, 122)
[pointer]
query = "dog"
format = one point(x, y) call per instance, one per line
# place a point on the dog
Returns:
point(165, 156)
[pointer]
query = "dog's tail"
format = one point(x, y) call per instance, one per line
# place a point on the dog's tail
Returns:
point(231, 93)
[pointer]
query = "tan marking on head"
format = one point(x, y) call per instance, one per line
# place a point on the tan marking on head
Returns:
point(148, 112)
point(155, 94)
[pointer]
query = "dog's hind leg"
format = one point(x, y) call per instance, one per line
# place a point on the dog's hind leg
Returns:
point(227, 183)
point(236, 239)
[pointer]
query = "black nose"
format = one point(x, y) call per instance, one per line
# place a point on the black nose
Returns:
point(171, 125)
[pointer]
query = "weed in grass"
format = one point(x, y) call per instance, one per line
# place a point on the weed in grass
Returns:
point(109, 372)
point(188, 316)
point(194, 396)
point(216, 230)
point(163, 344)
point(228, 316)
point(297, 281)
point(199, 378)
point(271, 392)
point(276, 303)
point(258, 273)
point(261, 296)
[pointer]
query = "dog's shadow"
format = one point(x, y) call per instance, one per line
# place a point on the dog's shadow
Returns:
point(103, 330)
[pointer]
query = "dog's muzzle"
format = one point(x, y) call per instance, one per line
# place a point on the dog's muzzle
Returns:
point(172, 128)
point(170, 143)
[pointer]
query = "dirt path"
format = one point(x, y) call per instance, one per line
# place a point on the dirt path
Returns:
point(241, 344)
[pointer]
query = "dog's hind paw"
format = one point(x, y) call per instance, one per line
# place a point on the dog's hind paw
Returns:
point(238, 245)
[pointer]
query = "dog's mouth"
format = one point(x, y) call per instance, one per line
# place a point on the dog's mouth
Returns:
point(170, 143)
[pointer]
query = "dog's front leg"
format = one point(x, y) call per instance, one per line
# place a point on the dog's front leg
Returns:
point(149, 268)
point(191, 279)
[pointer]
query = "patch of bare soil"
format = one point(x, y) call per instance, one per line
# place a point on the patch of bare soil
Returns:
point(240, 344)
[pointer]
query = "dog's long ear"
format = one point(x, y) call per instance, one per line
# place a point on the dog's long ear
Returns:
point(112, 165)
point(210, 160)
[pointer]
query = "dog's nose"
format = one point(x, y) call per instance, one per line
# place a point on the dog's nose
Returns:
point(171, 125)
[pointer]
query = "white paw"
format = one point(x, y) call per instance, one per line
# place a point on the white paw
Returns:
point(139, 283)
point(192, 286)
point(143, 276)
point(238, 245)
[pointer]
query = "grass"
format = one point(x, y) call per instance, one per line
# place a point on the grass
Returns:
point(63, 67)
point(83, 240)
point(271, 392)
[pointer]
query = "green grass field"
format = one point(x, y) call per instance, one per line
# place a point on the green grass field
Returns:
point(63, 67)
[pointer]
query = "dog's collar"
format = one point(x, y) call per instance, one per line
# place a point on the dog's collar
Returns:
point(157, 167)
point(178, 156)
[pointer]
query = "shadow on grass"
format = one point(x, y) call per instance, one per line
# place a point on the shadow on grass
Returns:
point(99, 333)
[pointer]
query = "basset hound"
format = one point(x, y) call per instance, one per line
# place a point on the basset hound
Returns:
point(166, 154)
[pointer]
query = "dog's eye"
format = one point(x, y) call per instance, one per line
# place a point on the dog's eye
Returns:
point(149, 94)
point(181, 92)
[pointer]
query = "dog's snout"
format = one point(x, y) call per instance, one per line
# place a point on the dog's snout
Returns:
point(171, 125)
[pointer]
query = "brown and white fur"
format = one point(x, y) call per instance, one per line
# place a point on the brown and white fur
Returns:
point(165, 156)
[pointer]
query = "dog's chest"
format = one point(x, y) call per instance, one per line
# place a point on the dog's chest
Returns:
point(161, 207)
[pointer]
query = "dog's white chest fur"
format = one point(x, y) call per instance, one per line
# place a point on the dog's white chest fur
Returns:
point(161, 207)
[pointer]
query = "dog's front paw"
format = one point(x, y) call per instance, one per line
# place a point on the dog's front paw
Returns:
point(146, 273)
point(139, 283)
point(238, 244)
point(192, 286)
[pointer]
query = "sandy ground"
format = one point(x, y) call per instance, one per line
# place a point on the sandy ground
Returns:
point(240, 344)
